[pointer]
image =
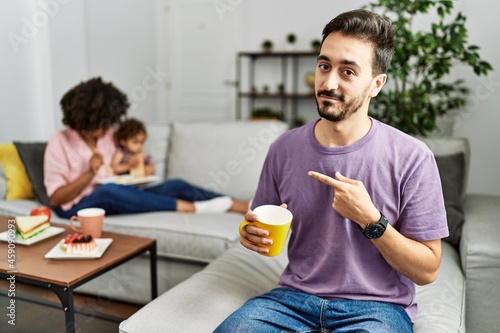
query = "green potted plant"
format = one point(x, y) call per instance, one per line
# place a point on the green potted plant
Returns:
point(315, 45)
point(291, 38)
point(265, 113)
point(418, 90)
point(267, 46)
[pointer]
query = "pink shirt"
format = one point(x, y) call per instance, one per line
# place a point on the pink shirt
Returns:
point(67, 157)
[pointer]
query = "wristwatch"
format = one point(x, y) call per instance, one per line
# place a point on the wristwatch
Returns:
point(375, 230)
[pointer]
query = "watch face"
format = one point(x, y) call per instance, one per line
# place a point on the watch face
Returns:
point(374, 230)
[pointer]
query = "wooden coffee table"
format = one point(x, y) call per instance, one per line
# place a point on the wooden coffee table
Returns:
point(27, 264)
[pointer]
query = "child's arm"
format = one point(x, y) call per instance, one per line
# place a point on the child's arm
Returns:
point(119, 168)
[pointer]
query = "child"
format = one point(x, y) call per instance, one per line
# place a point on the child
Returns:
point(130, 157)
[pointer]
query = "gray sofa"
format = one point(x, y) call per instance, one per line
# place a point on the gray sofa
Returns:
point(205, 274)
point(223, 156)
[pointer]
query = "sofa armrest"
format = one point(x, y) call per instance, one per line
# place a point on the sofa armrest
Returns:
point(480, 256)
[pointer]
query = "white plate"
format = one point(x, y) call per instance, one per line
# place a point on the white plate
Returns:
point(51, 231)
point(58, 253)
point(129, 180)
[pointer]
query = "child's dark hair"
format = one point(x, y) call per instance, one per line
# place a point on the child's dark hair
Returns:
point(129, 128)
point(93, 105)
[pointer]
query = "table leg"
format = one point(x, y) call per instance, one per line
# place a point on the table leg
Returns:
point(154, 274)
point(66, 296)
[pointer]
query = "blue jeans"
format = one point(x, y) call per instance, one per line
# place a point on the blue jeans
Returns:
point(290, 310)
point(121, 199)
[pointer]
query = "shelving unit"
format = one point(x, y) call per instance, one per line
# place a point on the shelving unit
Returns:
point(288, 98)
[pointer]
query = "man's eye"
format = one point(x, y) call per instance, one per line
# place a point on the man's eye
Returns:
point(348, 72)
point(323, 67)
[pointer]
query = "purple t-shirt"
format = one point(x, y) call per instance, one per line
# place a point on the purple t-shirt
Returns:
point(328, 255)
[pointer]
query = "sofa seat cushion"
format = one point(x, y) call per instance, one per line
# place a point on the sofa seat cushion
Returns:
point(441, 304)
point(203, 301)
point(197, 237)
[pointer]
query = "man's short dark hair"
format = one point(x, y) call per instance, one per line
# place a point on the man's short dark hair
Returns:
point(373, 28)
point(93, 105)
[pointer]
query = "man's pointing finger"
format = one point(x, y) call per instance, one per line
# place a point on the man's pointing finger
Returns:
point(323, 178)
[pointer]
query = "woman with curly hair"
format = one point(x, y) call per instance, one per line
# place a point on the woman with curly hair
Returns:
point(80, 154)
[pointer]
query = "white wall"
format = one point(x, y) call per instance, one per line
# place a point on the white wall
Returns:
point(125, 41)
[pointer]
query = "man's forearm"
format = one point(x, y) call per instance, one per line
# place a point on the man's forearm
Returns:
point(418, 261)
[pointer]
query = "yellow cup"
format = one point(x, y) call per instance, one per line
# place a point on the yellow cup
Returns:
point(277, 221)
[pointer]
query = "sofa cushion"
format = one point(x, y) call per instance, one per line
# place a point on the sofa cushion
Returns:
point(452, 158)
point(203, 301)
point(32, 154)
point(452, 173)
point(480, 256)
point(195, 237)
point(441, 304)
point(225, 157)
point(18, 183)
point(157, 145)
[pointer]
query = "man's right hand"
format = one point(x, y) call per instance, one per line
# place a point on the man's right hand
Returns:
point(253, 237)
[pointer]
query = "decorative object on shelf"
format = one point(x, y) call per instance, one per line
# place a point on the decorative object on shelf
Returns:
point(420, 91)
point(281, 88)
point(267, 46)
point(287, 102)
point(298, 121)
point(265, 89)
point(315, 45)
point(266, 113)
point(291, 38)
point(309, 80)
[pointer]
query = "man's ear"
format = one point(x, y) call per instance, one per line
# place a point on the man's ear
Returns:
point(378, 83)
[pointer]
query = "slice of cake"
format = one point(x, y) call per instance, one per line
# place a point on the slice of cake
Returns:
point(79, 244)
point(30, 226)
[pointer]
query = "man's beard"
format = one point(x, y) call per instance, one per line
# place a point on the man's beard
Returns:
point(343, 111)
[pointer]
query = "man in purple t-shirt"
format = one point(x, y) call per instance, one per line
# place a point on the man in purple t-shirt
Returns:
point(366, 198)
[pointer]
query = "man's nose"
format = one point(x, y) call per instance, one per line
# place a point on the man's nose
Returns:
point(331, 81)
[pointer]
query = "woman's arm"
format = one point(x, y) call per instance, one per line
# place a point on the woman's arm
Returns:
point(71, 190)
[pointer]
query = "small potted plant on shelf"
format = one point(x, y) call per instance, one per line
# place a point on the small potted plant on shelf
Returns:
point(291, 38)
point(315, 45)
point(267, 46)
point(265, 113)
point(298, 121)
point(281, 88)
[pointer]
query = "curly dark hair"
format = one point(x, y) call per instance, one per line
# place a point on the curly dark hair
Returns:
point(93, 105)
point(371, 27)
point(129, 128)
